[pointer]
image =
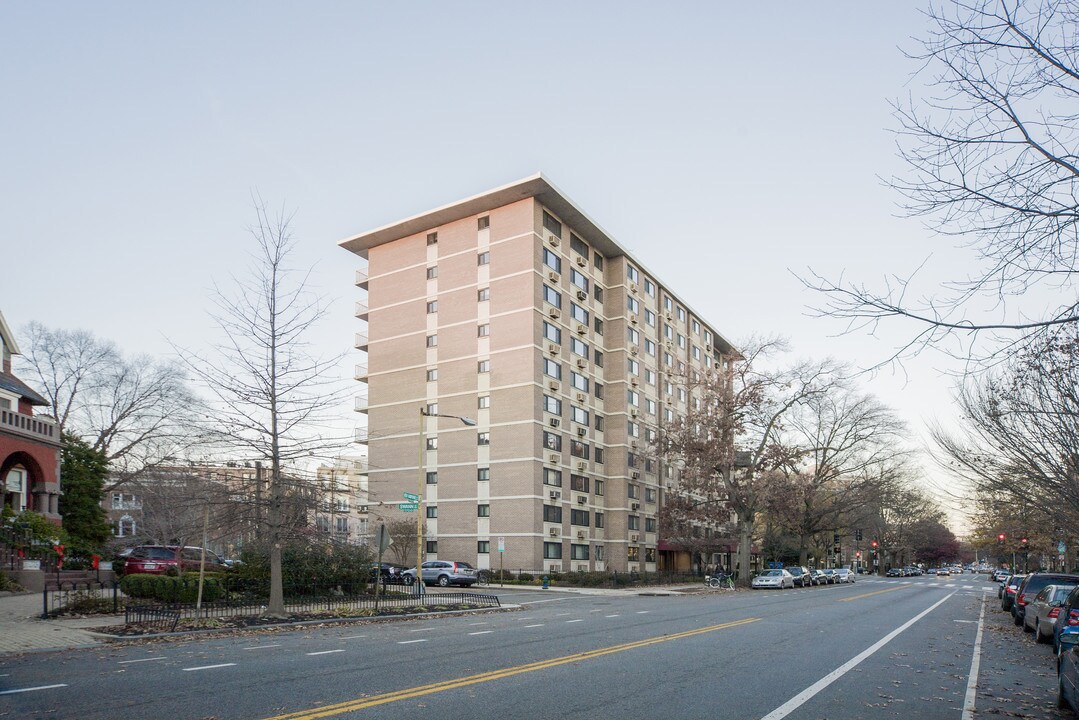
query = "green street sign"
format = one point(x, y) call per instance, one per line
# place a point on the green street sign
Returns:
point(411, 497)
point(409, 507)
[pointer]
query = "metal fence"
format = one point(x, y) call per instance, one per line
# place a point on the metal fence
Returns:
point(88, 596)
point(17, 543)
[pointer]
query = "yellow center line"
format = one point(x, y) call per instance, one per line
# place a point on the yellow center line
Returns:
point(363, 703)
point(878, 592)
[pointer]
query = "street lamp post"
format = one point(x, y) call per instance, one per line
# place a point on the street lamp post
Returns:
point(420, 509)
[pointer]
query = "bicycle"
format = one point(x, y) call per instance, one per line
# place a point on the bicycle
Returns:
point(484, 577)
point(719, 582)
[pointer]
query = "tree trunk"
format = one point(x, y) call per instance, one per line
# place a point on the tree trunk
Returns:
point(745, 540)
point(276, 608)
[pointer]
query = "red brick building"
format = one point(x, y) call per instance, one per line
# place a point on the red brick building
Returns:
point(29, 444)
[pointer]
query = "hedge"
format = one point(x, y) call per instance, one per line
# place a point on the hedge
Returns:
point(171, 589)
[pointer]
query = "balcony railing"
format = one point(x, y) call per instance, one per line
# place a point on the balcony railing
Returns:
point(361, 371)
point(361, 309)
point(361, 436)
point(361, 279)
point(361, 341)
point(361, 404)
point(30, 426)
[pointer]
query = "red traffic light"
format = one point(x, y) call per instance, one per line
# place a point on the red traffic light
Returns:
point(874, 543)
point(1024, 541)
point(1000, 537)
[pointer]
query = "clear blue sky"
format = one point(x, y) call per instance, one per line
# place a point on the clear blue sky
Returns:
point(724, 144)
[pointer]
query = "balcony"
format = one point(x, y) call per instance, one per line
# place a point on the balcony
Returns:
point(30, 427)
point(361, 372)
point(361, 310)
point(361, 279)
point(361, 404)
point(361, 436)
point(361, 341)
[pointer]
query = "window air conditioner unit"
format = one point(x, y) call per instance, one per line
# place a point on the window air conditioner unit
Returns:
point(580, 432)
point(581, 362)
point(555, 494)
point(582, 466)
point(633, 412)
point(633, 288)
point(633, 380)
point(553, 458)
point(634, 506)
point(634, 538)
point(632, 349)
point(581, 262)
point(667, 315)
point(581, 329)
point(582, 500)
point(581, 397)
point(633, 319)
point(553, 277)
point(582, 295)
point(633, 444)
point(553, 384)
point(554, 312)
point(554, 422)
point(635, 474)
point(553, 532)
point(552, 348)
point(580, 534)
point(554, 240)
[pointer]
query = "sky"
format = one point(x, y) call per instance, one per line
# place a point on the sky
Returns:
point(728, 146)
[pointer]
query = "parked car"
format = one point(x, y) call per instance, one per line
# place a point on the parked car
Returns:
point(391, 573)
point(1032, 585)
point(773, 579)
point(894, 572)
point(1041, 614)
point(802, 576)
point(943, 572)
point(1002, 574)
point(821, 578)
point(844, 575)
point(1068, 669)
point(1007, 598)
point(444, 573)
point(160, 559)
point(1068, 617)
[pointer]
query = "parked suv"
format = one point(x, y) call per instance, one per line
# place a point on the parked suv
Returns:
point(802, 576)
point(159, 559)
point(443, 572)
point(1032, 585)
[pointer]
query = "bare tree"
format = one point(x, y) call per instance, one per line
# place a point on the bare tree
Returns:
point(992, 154)
point(136, 411)
point(402, 534)
point(272, 398)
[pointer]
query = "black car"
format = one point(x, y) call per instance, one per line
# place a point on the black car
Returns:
point(1032, 585)
point(1007, 596)
point(802, 577)
point(391, 573)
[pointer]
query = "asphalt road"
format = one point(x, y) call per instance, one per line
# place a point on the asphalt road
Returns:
point(875, 649)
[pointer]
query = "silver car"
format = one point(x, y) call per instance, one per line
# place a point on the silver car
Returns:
point(443, 573)
point(844, 575)
point(1041, 614)
point(773, 579)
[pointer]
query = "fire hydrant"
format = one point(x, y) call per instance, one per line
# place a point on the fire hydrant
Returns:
point(546, 582)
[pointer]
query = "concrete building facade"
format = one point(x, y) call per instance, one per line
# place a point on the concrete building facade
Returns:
point(515, 310)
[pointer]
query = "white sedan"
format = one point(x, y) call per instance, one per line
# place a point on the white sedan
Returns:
point(773, 579)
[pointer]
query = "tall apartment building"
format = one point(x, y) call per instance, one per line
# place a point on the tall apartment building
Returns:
point(515, 310)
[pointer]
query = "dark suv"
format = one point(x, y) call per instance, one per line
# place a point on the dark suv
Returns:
point(802, 576)
point(160, 559)
point(1032, 585)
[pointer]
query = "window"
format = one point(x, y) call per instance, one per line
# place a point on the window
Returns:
point(599, 326)
point(432, 307)
point(599, 455)
point(668, 304)
point(432, 511)
point(552, 551)
point(552, 477)
point(578, 552)
point(579, 449)
point(696, 328)
point(483, 330)
point(578, 279)
point(552, 260)
point(483, 547)
point(597, 292)
point(579, 381)
point(483, 295)
point(599, 519)
point(483, 402)
point(633, 367)
point(484, 258)
point(668, 331)
point(432, 238)
point(649, 287)
point(598, 486)
point(552, 513)
point(432, 341)
point(552, 368)
point(432, 547)
point(633, 305)
point(432, 477)
point(431, 409)
point(649, 347)
point(650, 555)
point(598, 359)
point(579, 517)
point(650, 376)
point(432, 443)
point(633, 429)
point(578, 415)
point(483, 474)
point(650, 406)
point(578, 313)
point(578, 245)
point(125, 526)
point(649, 493)
point(483, 366)
point(634, 336)
point(432, 272)
point(552, 333)
point(599, 423)
point(483, 223)
point(681, 314)
point(634, 522)
point(696, 353)
point(552, 296)
point(551, 224)
point(578, 483)
point(483, 438)
point(432, 375)
point(633, 398)
point(578, 347)
point(483, 510)
point(598, 390)
point(681, 341)
point(597, 260)
point(633, 553)
point(634, 491)
point(631, 273)
point(552, 405)
point(552, 441)
point(649, 317)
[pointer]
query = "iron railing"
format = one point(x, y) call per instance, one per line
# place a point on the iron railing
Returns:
point(87, 596)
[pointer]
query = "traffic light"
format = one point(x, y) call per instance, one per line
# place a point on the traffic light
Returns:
point(1024, 541)
point(835, 538)
point(858, 554)
point(1000, 538)
point(858, 535)
point(874, 544)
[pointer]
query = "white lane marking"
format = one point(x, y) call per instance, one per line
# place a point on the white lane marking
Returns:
point(32, 689)
point(965, 621)
point(475, 624)
point(643, 612)
point(561, 614)
point(352, 637)
point(482, 632)
point(537, 625)
point(261, 647)
point(409, 642)
point(615, 615)
point(573, 621)
point(208, 667)
point(420, 630)
point(128, 662)
point(975, 663)
point(324, 652)
point(801, 698)
point(537, 602)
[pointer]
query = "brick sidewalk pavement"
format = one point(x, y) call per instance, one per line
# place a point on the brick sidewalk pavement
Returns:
point(23, 630)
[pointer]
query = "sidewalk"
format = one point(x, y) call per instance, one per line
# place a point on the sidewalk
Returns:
point(23, 630)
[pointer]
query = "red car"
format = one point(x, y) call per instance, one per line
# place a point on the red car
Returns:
point(158, 559)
